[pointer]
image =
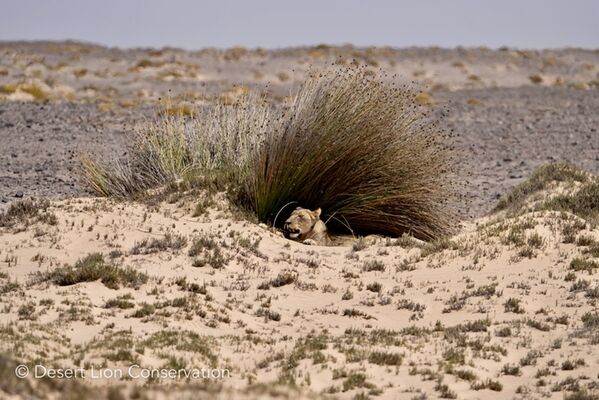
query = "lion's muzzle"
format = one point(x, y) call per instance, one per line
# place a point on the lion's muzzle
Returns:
point(290, 232)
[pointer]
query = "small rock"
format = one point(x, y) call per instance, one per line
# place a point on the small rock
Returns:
point(19, 194)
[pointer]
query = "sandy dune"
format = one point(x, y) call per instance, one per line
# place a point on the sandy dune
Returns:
point(494, 308)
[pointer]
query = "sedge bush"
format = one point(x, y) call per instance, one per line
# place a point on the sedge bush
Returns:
point(360, 149)
point(349, 142)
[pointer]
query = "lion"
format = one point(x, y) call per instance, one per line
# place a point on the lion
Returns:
point(305, 226)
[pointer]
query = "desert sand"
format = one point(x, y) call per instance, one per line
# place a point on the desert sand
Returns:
point(506, 308)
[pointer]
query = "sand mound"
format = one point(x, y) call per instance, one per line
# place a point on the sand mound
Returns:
point(508, 305)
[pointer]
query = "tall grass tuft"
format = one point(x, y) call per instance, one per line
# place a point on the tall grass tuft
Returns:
point(214, 145)
point(350, 142)
point(360, 149)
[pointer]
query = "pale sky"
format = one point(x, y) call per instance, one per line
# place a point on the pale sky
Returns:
point(281, 23)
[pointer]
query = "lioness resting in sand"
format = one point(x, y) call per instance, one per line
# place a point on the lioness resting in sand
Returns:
point(305, 226)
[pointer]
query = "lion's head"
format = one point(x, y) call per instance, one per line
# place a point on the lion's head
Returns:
point(300, 222)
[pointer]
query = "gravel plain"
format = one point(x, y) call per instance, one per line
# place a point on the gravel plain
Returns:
point(511, 110)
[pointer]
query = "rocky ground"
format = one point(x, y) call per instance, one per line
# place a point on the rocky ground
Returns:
point(512, 110)
point(506, 308)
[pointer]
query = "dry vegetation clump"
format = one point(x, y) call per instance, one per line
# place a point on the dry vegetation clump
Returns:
point(540, 180)
point(211, 148)
point(579, 195)
point(35, 91)
point(168, 242)
point(360, 149)
point(26, 212)
point(349, 142)
point(92, 268)
point(583, 203)
point(536, 79)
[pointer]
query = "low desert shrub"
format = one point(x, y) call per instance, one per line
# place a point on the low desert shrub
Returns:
point(582, 394)
point(590, 320)
point(540, 180)
point(26, 212)
point(384, 358)
point(582, 264)
point(154, 245)
point(583, 203)
point(92, 268)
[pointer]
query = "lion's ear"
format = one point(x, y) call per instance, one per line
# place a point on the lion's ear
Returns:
point(316, 213)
